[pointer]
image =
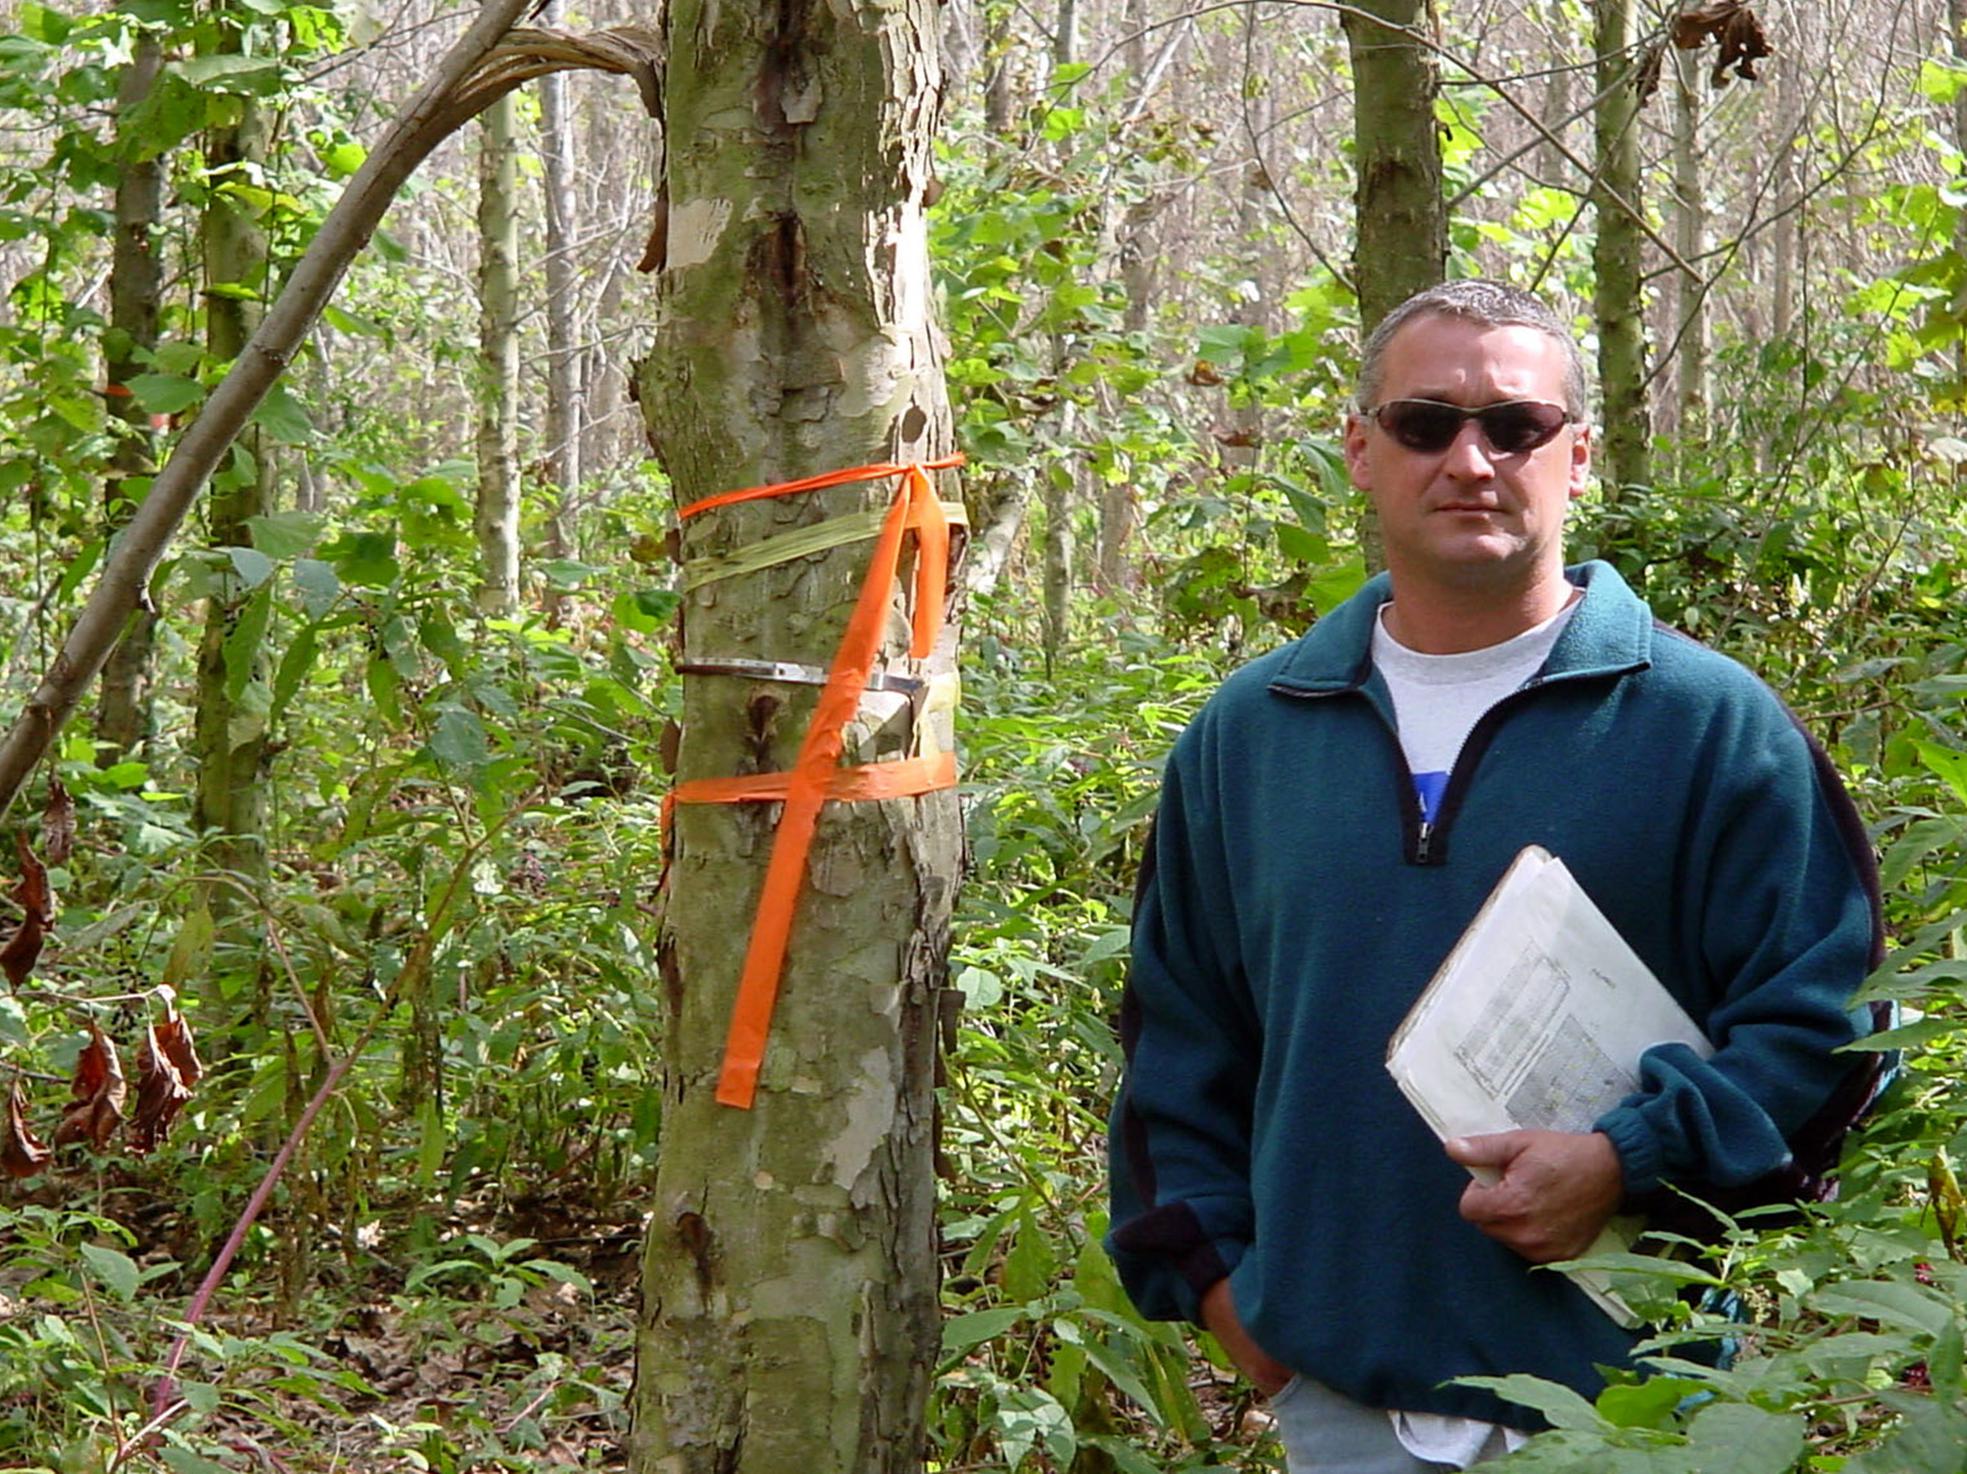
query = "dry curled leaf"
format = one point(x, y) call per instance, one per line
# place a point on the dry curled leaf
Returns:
point(167, 1068)
point(22, 1153)
point(37, 904)
point(98, 1092)
point(58, 824)
point(1738, 36)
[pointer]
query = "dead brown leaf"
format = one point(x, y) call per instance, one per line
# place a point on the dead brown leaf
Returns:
point(1738, 36)
point(1204, 373)
point(58, 823)
point(167, 1068)
point(22, 1153)
point(98, 1092)
point(37, 904)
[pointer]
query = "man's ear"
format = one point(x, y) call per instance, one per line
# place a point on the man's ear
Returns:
point(1580, 460)
point(1355, 451)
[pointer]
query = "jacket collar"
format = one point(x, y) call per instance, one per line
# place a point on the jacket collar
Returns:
point(1610, 634)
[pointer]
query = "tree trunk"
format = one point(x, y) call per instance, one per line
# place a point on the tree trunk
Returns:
point(1551, 166)
point(563, 365)
point(230, 726)
point(497, 519)
point(1062, 476)
point(135, 280)
point(1616, 299)
point(1402, 230)
point(789, 1318)
point(1690, 240)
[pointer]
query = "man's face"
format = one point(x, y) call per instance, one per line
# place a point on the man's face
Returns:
point(1468, 515)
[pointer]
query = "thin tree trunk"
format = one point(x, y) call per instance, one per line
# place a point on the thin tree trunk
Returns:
point(1402, 218)
point(1061, 477)
point(135, 280)
point(497, 519)
point(230, 724)
point(1616, 299)
point(1957, 48)
point(1788, 192)
point(563, 365)
point(1690, 240)
point(789, 1292)
point(1557, 94)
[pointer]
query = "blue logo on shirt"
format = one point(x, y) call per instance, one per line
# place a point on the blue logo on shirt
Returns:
point(1430, 786)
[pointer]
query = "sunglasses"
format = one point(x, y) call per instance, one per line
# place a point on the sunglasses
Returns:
point(1514, 427)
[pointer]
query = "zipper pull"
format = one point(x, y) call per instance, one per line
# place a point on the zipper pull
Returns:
point(1423, 843)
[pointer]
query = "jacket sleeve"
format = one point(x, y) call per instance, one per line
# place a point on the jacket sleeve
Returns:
point(1778, 879)
point(1179, 1136)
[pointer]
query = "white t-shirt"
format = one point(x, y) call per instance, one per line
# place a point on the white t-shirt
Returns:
point(1437, 699)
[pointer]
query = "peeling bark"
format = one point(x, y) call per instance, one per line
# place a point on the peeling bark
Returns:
point(789, 1315)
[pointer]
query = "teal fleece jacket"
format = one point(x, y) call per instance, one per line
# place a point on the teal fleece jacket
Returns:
point(1293, 905)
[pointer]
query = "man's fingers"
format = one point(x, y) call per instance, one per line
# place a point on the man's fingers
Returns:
point(1496, 1150)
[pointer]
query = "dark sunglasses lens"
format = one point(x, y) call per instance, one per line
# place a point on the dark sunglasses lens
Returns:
point(1420, 425)
point(1515, 428)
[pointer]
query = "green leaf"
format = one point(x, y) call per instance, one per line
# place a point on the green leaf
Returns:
point(1911, 1307)
point(1121, 1372)
point(281, 416)
point(1563, 1407)
point(979, 1326)
point(1029, 1267)
point(285, 534)
point(246, 76)
point(366, 559)
point(1647, 1404)
point(295, 667)
point(1028, 1417)
point(343, 159)
point(1941, 82)
point(184, 1461)
point(166, 394)
point(383, 684)
point(458, 740)
point(1300, 546)
point(1333, 586)
point(1928, 1440)
point(253, 567)
point(242, 642)
point(115, 1269)
point(318, 585)
point(1906, 1036)
point(191, 950)
point(439, 636)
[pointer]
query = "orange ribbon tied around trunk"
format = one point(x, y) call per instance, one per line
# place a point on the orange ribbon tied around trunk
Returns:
point(816, 775)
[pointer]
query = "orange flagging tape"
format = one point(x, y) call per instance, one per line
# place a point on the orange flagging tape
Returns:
point(816, 775)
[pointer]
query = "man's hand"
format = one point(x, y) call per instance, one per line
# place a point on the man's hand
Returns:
point(1555, 1192)
point(1219, 1315)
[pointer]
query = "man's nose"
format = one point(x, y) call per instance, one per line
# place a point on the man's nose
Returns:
point(1468, 455)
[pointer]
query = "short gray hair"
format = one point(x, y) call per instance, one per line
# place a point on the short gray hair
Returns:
point(1479, 300)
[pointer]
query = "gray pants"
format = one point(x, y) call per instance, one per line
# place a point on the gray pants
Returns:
point(1325, 1432)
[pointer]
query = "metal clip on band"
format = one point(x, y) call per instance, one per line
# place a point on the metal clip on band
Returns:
point(793, 672)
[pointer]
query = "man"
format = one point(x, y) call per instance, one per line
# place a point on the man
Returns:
point(1329, 825)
